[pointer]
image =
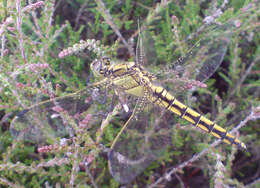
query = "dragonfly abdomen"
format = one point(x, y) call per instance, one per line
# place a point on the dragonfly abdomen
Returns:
point(163, 98)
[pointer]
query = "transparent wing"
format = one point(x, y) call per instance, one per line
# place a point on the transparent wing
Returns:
point(145, 49)
point(177, 67)
point(208, 52)
point(143, 140)
point(45, 122)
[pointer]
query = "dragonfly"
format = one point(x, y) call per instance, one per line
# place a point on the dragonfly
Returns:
point(147, 104)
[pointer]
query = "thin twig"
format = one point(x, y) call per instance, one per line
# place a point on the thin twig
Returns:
point(3, 40)
point(37, 28)
point(253, 184)
point(91, 177)
point(19, 29)
point(54, 162)
point(75, 164)
point(80, 12)
point(107, 16)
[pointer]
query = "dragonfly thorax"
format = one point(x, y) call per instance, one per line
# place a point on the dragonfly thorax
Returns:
point(126, 77)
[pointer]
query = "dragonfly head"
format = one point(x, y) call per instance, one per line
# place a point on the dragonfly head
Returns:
point(100, 66)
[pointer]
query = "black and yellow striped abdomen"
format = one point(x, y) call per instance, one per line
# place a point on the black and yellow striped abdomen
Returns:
point(165, 99)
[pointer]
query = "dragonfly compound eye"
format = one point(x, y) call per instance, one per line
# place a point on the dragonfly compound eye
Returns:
point(97, 67)
point(101, 71)
point(106, 61)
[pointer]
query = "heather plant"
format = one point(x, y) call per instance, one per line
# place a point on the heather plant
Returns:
point(46, 51)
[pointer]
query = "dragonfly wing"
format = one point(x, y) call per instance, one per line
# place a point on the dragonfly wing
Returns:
point(209, 52)
point(58, 117)
point(145, 49)
point(43, 121)
point(195, 58)
point(144, 139)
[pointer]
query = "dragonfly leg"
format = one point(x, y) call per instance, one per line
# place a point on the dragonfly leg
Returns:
point(123, 128)
point(136, 110)
point(104, 98)
point(112, 103)
point(91, 76)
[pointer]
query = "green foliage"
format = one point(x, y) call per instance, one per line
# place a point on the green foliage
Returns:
point(30, 69)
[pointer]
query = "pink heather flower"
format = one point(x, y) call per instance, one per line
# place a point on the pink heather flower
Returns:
point(256, 112)
point(6, 51)
point(164, 2)
point(34, 67)
point(188, 86)
point(65, 52)
point(85, 121)
point(90, 44)
point(46, 149)
point(57, 109)
point(12, 29)
point(45, 91)
point(77, 116)
point(175, 20)
point(8, 21)
point(44, 65)
point(246, 8)
point(201, 84)
point(86, 161)
point(19, 85)
point(61, 54)
point(88, 100)
point(33, 6)
point(90, 158)
point(52, 95)
point(237, 23)
point(58, 86)
point(218, 98)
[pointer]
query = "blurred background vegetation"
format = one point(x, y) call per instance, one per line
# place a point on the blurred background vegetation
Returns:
point(34, 33)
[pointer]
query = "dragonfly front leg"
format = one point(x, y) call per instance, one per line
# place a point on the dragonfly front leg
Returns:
point(137, 109)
